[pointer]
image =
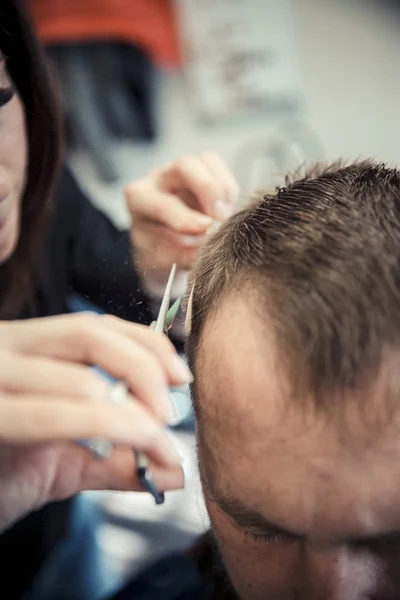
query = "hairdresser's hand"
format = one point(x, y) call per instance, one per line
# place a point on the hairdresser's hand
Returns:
point(173, 207)
point(49, 396)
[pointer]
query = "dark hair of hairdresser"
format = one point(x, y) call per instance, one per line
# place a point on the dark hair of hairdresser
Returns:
point(31, 78)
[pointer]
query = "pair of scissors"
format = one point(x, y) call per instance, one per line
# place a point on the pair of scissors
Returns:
point(165, 319)
point(103, 448)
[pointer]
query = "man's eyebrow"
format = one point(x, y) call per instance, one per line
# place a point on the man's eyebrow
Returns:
point(248, 518)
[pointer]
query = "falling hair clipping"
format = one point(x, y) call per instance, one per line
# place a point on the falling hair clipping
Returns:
point(188, 319)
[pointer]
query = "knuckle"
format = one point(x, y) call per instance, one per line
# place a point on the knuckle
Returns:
point(86, 327)
point(86, 317)
point(110, 320)
point(133, 188)
point(156, 173)
point(145, 331)
point(160, 212)
point(207, 188)
point(138, 329)
point(182, 164)
point(92, 385)
point(161, 345)
point(165, 344)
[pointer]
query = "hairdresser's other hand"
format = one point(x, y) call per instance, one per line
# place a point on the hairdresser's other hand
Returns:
point(50, 395)
point(173, 207)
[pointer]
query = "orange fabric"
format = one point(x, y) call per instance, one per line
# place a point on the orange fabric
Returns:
point(149, 23)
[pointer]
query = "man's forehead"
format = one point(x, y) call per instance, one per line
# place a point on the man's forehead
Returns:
point(243, 380)
point(241, 388)
point(268, 472)
point(258, 443)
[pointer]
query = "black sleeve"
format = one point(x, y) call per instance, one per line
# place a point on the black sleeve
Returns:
point(99, 257)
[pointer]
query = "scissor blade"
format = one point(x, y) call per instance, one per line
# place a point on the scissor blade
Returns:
point(171, 314)
point(162, 315)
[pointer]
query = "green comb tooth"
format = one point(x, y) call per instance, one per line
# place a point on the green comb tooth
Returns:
point(171, 314)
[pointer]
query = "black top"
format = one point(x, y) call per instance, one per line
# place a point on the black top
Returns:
point(197, 574)
point(86, 254)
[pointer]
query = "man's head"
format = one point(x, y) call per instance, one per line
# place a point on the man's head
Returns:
point(295, 347)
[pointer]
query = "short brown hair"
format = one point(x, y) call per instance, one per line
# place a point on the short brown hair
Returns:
point(323, 252)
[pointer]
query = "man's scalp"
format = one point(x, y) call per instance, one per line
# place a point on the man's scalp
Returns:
point(323, 252)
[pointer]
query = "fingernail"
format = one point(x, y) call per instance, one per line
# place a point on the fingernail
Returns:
point(167, 408)
point(184, 465)
point(192, 241)
point(172, 454)
point(180, 454)
point(185, 462)
point(179, 369)
point(176, 480)
point(213, 227)
point(203, 221)
point(222, 210)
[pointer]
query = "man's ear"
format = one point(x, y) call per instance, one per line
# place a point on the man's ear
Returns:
point(188, 319)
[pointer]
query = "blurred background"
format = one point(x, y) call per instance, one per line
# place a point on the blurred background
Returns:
point(268, 84)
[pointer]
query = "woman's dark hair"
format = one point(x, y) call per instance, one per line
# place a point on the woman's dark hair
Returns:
point(28, 68)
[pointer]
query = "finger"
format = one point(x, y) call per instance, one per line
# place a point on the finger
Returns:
point(163, 255)
point(37, 375)
point(31, 420)
point(50, 331)
point(168, 239)
point(220, 170)
point(47, 335)
point(116, 473)
point(148, 203)
point(190, 174)
point(125, 359)
point(119, 473)
point(85, 339)
point(159, 247)
point(159, 345)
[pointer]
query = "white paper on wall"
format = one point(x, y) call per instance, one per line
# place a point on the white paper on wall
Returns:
point(239, 55)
